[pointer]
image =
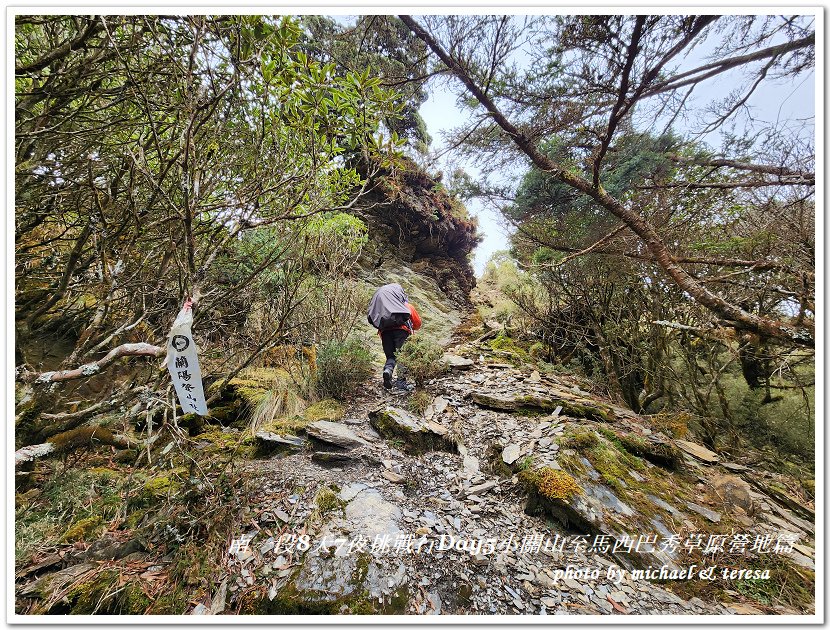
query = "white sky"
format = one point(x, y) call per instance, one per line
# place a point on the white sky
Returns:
point(786, 102)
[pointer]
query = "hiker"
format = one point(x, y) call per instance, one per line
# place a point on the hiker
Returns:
point(395, 318)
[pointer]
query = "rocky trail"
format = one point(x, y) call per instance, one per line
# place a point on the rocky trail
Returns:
point(479, 504)
point(495, 490)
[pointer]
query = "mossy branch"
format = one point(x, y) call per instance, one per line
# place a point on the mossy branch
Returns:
point(71, 440)
point(91, 369)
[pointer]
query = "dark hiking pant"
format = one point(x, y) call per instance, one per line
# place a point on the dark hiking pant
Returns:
point(392, 341)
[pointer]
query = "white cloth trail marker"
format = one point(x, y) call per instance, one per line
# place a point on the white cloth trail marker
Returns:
point(183, 364)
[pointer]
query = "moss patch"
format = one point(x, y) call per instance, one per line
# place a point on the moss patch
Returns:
point(83, 529)
point(164, 484)
point(327, 500)
point(505, 344)
point(550, 483)
point(287, 425)
point(581, 440)
point(228, 442)
point(661, 453)
point(396, 424)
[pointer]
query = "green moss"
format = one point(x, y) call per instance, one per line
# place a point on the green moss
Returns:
point(504, 343)
point(361, 568)
point(419, 401)
point(362, 605)
point(394, 424)
point(610, 464)
point(164, 484)
point(569, 407)
point(171, 602)
point(660, 453)
point(288, 601)
point(291, 601)
point(87, 596)
point(328, 409)
point(106, 474)
point(193, 564)
point(134, 518)
point(229, 442)
point(83, 436)
point(83, 529)
point(550, 483)
point(287, 425)
point(134, 600)
point(525, 464)
point(225, 413)
point(581, 440)
point(569, 461)
point(251, 392)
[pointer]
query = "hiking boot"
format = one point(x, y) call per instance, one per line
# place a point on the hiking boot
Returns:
point(387, 380)
point(402, 386)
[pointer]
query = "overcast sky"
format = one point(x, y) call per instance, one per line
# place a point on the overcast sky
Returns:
point(785, 103)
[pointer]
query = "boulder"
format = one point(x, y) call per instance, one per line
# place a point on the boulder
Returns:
point(733, 491)
point(417, 436)
point(331, 578)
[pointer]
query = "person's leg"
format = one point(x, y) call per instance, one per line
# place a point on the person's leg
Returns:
point(389, 349)
point(400, 338)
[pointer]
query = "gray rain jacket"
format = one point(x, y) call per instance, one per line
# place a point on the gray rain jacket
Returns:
point(388, 307)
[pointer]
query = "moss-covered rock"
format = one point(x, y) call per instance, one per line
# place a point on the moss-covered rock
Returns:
point(218, 441)
point(505, 344)
point(416, 436)
point(655, 450)
point(576, 408)
point(83, 529)
point(581, 440)
point(86, 436)
point(326, 500)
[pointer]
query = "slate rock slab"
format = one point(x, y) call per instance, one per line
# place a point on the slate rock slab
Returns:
point(268, 442)
point(335, 433)
point(456, 362)
point(696, 450)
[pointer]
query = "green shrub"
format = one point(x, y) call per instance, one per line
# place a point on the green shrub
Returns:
point(341, 367)
point(420, 358)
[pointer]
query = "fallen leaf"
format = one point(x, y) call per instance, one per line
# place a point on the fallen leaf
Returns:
point(616, 606)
